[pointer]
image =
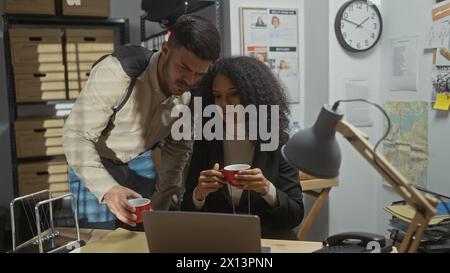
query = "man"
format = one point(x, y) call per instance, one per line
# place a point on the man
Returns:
point(109, 134)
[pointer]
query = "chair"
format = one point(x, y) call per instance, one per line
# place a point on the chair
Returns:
point(320, 189)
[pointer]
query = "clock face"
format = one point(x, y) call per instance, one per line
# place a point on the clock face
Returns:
point(358, 25)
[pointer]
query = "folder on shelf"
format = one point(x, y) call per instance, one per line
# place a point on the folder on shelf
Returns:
point(406, 213)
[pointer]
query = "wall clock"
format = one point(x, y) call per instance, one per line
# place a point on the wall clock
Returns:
point(358, 25)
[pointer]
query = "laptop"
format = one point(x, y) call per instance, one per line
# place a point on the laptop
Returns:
point(195, 232)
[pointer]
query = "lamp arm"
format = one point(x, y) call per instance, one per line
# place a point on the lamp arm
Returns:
point(424, 205)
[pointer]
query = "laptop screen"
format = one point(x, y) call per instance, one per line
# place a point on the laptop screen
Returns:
point(195, 232)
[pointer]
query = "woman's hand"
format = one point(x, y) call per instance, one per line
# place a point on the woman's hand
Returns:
point(209, 181)
point(253, 180)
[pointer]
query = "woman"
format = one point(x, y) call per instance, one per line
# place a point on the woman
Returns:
point(275, 30)
point(271, 188)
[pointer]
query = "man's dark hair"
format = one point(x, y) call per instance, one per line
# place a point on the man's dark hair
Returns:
point(197, 35)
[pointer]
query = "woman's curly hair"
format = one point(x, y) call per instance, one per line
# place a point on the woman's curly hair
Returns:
point(256, 85)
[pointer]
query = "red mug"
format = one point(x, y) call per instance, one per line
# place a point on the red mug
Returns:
point(141, 205)
point(230, 171)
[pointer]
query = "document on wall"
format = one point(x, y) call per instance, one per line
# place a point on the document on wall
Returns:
point(406, 146)
point(272, 36)
point(441, 11)
point(441, 88)
point(404, 64)
point(440, 77)
point(358, 113)
point(439, 35)
point(442, 102)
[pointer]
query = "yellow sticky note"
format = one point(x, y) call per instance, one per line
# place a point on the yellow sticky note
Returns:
point(442, 102)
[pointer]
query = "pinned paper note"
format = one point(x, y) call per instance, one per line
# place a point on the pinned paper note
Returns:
point(358, 113)
point(439, 35)
point(404, 70)
point(442, 102)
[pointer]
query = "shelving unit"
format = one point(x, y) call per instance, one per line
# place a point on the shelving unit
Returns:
point(120, 28)
point(152, 38)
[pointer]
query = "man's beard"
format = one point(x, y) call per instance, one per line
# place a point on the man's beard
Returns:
point(173, 87)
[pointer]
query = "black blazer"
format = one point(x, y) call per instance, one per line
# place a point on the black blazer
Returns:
point(276, 223)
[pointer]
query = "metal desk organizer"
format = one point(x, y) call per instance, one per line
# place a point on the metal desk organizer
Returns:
point(47, 238)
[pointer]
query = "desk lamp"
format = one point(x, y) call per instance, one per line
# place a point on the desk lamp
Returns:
point(315, 151)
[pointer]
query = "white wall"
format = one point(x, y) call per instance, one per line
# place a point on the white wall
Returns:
point(317, 61)
point(399, 24)
point(316, 93)
point(353, 204)
point(359, 201)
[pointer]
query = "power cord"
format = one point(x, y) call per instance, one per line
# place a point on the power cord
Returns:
point(336, 106)
point(389, 123)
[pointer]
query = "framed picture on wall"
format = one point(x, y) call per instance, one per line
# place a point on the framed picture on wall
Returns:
point(272, 36)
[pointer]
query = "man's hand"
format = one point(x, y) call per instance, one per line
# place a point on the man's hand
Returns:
point(117, 201)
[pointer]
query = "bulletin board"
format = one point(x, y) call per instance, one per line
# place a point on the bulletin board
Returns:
point(429, 150)
point(439, 41)
point(272, 36)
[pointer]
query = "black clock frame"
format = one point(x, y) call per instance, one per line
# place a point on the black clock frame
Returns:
point(337, 27)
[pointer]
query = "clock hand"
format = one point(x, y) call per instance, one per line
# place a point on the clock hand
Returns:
point(360, 25)
point(350, 22)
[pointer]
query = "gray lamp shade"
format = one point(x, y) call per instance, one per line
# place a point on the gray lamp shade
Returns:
point(315, 151)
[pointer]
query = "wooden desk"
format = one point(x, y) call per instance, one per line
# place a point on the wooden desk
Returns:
point(318, 188)
point(122, 241)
